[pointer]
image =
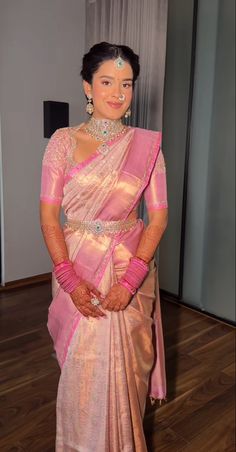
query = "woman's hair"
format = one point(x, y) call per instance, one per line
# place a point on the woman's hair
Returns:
point(104, 51)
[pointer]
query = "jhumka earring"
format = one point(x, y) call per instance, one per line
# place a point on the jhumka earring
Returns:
point(89, 106)
point(128, 113)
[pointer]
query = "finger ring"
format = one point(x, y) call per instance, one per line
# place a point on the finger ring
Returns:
point(95, 301)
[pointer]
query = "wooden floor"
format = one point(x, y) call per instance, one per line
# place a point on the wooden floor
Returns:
point(199, 414)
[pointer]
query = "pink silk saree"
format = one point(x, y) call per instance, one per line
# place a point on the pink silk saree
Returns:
point(108, 366)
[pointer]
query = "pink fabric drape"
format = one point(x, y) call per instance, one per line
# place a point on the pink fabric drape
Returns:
point(107, 364)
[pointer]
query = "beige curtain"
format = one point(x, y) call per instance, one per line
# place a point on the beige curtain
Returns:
point(142, 25)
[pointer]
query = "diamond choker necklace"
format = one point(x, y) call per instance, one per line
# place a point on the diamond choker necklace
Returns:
point(104, 129)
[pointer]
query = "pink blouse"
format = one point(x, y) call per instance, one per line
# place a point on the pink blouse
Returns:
point(57, 161)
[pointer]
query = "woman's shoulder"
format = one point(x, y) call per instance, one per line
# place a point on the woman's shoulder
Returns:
point(147, 132)
point(145, 136)
point(59, 134)
point(64, 136)
point(57, 147)
point(66, 131)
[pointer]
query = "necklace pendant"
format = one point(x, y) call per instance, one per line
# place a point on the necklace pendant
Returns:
point(104, 149)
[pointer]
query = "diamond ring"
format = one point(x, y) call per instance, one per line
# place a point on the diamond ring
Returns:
point(95, 301)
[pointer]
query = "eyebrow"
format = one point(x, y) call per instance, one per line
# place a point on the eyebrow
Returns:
point(112, 78)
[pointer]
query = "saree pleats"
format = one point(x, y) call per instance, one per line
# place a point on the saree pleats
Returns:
point(106, 371)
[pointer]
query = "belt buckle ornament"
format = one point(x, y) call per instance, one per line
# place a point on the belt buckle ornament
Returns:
point(97, 227)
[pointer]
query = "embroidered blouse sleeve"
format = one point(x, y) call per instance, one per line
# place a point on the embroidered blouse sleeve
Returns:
point(53, 168)
point(155, 194)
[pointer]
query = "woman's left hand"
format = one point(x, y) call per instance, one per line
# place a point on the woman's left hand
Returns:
point(117, 298)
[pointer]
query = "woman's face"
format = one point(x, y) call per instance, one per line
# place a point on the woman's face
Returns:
point(111, 83)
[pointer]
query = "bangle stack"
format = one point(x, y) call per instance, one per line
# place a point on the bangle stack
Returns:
point(134, 275)
point(66, 276)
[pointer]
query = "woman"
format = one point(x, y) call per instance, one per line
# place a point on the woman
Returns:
point(101, 316)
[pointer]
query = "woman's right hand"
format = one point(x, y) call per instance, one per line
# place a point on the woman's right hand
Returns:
point(81, 298)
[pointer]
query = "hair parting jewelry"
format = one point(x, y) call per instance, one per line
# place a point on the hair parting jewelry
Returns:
point(119, 63)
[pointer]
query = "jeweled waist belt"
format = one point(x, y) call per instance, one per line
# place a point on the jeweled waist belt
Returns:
point(100, 227)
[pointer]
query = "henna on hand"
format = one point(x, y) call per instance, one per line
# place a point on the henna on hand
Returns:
point(81, 298)
point(117, 298)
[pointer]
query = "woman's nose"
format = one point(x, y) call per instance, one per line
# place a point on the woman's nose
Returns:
point(117, 92)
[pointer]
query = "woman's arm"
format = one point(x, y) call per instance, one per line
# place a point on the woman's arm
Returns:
point(52, 182)
point(155, 196)
point(52, 232)
point(55, 242)
point(119, 297)
point(152, 235)
point(156, 201)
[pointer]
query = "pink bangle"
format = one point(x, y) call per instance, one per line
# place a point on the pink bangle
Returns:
point(139, 263)
point(135, 274)
point(66, 276)
point(62, 264)
point(125, 284)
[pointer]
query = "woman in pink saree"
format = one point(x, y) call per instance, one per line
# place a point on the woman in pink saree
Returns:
point(105, 318)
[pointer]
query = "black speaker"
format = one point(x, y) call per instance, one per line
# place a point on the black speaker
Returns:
point(56, 115)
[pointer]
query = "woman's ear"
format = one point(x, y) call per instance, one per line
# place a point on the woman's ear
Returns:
point(87, 88)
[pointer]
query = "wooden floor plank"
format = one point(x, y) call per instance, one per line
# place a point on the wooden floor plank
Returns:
point(18, 347)
point(219, 352)
point(165, 441)
point(23, 310)
point(196, 327)
point(35, 435)
point(230, 370)
point(191, 401)
point(211, 413)
point(33, 368)
point(21, 406)
point(217, 437)
point(195, 337)
point(200, 352)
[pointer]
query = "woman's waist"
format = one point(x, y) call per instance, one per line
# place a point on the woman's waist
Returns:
point(101, 227)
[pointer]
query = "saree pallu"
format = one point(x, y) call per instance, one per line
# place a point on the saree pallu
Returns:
point(108, 365)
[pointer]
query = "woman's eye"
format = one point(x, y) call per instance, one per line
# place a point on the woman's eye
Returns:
point(127, 85)
point(106, 82)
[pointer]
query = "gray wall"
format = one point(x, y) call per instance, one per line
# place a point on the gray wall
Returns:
point(42, 43)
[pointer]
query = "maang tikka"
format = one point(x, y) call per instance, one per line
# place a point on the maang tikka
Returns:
point(89, 106)
point(119, 63)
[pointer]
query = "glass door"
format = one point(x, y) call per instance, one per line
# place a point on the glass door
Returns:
point(197, 254)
